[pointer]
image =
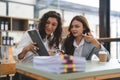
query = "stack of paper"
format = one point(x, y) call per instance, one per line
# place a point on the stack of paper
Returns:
point(56, 64)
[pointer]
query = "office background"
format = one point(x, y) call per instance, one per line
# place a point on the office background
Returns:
point(103, 16)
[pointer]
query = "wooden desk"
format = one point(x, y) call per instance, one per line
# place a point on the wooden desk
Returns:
point(94, 71)
point(8, 66)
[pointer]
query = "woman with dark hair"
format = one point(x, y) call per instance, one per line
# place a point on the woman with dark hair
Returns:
point(80, 41)
point(50, 29)
point(45, 31)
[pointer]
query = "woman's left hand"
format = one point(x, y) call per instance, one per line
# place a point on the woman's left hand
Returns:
point(88, 37)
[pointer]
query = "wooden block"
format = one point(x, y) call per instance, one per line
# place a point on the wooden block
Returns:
point(6, 69)
point(8, 66)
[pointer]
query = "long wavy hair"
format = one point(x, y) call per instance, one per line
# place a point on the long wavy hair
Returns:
point(57, 33)
point(68, 44)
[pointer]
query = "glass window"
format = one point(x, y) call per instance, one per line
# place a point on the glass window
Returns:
point(114, 26)
point(68, 15)
point(93, 21)
point(92, 3)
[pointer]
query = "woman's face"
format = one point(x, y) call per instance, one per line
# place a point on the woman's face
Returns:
point(77, 28)
point(51, 25)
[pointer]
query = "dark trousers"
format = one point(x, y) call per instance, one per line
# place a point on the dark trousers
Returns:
point(18, 76)
point(118, 78)
point(5, 78)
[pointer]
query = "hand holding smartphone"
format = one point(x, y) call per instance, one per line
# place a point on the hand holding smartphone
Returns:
point(85, 31)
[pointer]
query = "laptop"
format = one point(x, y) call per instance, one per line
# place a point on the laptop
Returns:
point(35, 36)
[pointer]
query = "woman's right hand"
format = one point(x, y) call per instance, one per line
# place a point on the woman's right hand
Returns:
point(31, 47)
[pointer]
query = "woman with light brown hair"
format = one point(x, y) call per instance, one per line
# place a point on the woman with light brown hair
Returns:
point(80, 41)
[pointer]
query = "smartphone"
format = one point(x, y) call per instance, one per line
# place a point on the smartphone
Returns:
point(86, 31)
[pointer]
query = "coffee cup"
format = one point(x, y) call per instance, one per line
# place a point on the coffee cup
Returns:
point(102, 56)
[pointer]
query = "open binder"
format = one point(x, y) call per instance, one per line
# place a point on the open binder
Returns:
point(35, 36)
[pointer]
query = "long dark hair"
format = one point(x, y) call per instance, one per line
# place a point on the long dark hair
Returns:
point(57, 34)
point(68, 44)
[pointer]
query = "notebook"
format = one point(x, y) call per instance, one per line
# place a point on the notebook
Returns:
point(35, 36)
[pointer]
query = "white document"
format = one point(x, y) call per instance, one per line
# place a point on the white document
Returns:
point(55, 64)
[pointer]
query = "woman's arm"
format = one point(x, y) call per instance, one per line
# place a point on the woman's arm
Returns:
point(21, 49)
point(32, 47)
point(97, 45)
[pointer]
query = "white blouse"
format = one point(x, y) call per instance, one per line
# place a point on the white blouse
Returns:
point(26, 40)
point(78, 48)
